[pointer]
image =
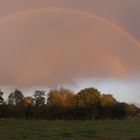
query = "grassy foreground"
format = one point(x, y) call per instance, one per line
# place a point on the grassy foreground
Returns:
point(71, 130)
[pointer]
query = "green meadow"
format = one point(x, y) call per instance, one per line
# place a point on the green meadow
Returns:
point(70, 130)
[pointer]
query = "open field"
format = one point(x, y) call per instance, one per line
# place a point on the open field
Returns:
point(71, 130)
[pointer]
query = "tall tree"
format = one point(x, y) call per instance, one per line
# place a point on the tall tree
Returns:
point(108, 100)
point(61, 97)
point(87, 103)
point(60, 103)
point(39, 97)
point(1, 98)
point(15, 97)
point(108, 105)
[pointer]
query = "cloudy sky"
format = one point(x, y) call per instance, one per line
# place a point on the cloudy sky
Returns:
point(75, 43)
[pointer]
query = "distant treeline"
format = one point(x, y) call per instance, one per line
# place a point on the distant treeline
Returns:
point(88, 104)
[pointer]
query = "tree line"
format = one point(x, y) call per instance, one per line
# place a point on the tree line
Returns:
point(87, 104)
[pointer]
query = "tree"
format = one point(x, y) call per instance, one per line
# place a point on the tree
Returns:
point(61, 97)
point(60, 103)
point(1, 98)
point(28, 107)
point(28, 101)
point(120, 111)
point(108, 105)
point(39, 97)
point(15, 104)
point(15, 97)
point(87, 103)
point(3, 108)
point(108, 100)
point(130, 110)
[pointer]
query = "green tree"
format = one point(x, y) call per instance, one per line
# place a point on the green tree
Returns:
point(1, 98)
point(15, 97)
point(39, 97)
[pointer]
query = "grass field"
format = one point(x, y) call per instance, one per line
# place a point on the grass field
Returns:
point(71, 130)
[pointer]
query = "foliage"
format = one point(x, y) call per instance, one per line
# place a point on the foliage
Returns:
point(15, 97)
point(64, 104)
point(39, 97)
point(1, 98)
point(59, 103)
point(87, 104)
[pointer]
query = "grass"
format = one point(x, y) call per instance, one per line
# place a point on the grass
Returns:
point(70, 130)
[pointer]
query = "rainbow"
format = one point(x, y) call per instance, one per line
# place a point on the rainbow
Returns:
point(34, 11)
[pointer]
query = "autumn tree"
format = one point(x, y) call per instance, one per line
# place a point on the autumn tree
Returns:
point(132, 110)
point(87, 103)
point(60, 103)
point(28, 101)
point(28, 107)
point(61, 97)
point(108, 104)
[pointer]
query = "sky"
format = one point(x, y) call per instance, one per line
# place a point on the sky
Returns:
point(76, 44)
